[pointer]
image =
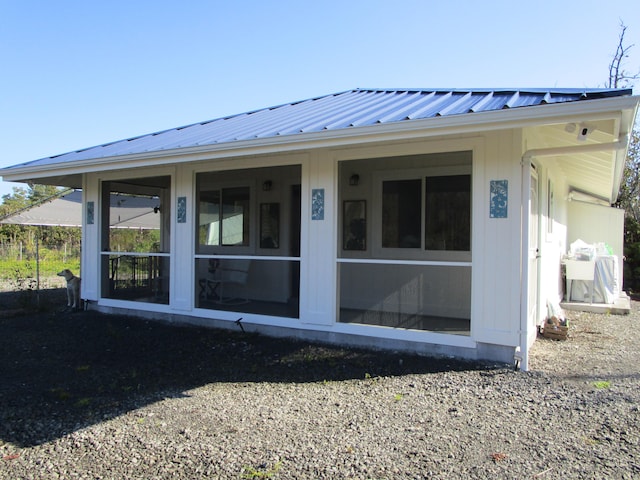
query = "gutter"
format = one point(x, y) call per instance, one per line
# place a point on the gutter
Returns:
point(521, 356)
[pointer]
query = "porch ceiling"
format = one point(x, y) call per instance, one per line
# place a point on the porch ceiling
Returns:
point(594, 172)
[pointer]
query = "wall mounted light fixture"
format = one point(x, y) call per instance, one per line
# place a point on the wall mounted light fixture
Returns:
point(354, 179)
point(267, 185)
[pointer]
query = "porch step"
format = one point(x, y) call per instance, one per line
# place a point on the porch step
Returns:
point(622, 306)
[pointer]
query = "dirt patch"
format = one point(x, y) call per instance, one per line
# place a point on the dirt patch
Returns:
point(598, 346)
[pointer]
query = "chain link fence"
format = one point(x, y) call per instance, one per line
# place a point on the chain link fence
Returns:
point(28, 273)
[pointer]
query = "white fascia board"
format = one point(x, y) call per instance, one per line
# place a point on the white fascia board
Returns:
point(609, 108)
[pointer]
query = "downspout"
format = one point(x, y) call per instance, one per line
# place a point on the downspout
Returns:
point(521, 356)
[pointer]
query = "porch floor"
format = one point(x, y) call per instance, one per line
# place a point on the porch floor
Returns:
point(622, 306)
point(452, 326)
point(275, 309)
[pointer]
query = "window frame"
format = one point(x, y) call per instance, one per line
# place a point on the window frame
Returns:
point(223, 249)
point(381, 176)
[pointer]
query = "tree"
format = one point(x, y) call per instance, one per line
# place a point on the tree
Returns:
point(629, 195)
point(618, 77)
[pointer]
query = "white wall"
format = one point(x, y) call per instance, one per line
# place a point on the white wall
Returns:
point(497, 242)
point(553, 233)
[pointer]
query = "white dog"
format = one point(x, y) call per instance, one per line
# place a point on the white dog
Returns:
point(73, 288)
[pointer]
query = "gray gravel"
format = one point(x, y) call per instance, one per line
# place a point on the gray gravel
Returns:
point(314, 411)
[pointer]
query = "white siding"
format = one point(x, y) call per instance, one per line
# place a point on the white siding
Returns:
point(90, 239)
point(496, 255)
point(318, 243)
point(183, 242)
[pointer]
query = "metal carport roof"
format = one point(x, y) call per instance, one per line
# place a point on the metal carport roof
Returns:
point(65, 210)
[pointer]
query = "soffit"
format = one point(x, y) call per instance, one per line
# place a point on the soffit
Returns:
point(593, 171)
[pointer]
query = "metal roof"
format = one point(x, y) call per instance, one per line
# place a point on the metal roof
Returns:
point(354, 108)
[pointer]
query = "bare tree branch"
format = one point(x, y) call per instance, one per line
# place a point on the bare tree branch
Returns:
point(618, 77)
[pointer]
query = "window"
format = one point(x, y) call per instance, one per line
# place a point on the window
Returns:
point(448, 213)
point(401, 213)
point(224, 217)
point(446, 210)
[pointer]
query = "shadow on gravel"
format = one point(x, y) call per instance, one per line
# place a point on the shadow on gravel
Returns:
point(61, 372)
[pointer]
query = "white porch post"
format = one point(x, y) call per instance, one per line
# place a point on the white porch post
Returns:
point(318, 241)
point(182, 241)
point(90, 252)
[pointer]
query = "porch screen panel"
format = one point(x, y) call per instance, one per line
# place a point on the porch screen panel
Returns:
point(249, 285)
point(418, 297)
point(136, 239)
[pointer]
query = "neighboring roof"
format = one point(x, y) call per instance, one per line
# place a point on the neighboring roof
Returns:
point(339, 111)
point(65, 210)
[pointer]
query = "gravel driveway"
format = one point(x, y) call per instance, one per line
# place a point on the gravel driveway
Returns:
point(105, 397)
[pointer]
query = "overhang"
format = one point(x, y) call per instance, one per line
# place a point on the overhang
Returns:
point(364, 116)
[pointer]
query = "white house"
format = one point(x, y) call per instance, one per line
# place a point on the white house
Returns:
point(431, 221)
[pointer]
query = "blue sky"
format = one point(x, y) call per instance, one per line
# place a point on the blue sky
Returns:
point(81, 73)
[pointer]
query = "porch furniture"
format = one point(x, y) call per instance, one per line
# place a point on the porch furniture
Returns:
point(227, 283)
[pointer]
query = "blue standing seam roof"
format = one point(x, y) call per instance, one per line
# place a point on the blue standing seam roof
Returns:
point(352, 108)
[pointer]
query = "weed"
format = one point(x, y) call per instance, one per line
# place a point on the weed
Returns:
point(261, 471)
point(591, 441)
point(398, 397)
point(602, 384)
point(83, 402)
point(60, 393)
point(373, 378)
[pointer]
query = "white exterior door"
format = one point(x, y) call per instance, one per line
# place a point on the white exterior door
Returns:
point(534, 248)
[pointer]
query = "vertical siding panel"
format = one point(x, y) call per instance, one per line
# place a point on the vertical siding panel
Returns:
point(90, 257)
point(496, 319)
point(318, 243)
point(183, 242)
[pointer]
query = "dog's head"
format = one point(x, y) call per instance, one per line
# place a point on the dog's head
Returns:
point(66, 273)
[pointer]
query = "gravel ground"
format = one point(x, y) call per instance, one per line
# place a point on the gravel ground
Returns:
point(90, 396)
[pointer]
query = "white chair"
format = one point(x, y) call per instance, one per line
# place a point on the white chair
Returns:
point(230, 281)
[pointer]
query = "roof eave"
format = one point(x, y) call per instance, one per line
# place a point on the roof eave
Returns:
point(623, 108)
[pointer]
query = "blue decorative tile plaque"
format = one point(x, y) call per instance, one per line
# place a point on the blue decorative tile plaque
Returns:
point(90, 213)
point(182, 210)
point(498, 195)
point(317, 204)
